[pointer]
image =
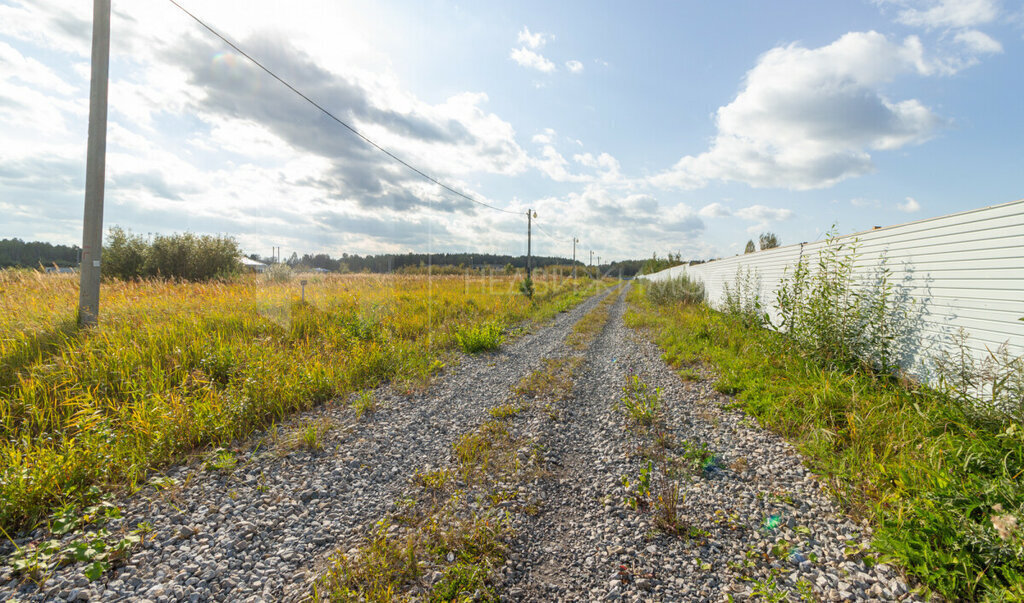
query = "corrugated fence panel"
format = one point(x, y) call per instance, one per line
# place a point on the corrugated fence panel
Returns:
point(962, 271)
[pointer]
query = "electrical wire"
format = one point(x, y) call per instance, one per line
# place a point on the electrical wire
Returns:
point(541, 228)
point(332, 116)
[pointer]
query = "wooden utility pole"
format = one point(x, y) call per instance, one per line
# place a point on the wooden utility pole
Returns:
point(95, 168)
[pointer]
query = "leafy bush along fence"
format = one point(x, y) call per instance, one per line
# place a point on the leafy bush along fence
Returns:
point(961, 272)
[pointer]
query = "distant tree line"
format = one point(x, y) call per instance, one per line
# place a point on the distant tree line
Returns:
point(393, 262)
point(656, 264)
point(15, 253)
point(187, 256)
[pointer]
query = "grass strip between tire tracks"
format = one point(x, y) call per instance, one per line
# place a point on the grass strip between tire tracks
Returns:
point(449, 533)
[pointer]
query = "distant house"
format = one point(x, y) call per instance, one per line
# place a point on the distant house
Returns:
point(60, 270)
point(320, 270)
point(252, 265)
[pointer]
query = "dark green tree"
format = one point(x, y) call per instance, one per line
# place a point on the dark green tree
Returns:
point(769, 240)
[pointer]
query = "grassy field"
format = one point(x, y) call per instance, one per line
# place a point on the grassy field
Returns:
point(175, 366)
point(942, 488)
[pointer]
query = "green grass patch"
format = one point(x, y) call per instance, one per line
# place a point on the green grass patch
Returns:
point(483, 337)
point(587, 328)
point(505, 411)
point(943, 490)
point(553, 381)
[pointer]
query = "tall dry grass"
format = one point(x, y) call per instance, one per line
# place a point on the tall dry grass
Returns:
point(174, 366)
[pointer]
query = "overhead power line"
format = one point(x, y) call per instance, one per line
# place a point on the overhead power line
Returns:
point(335, 118)
point(557, 240)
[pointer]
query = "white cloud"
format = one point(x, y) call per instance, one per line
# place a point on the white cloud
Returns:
point(533, 40)
point(531, 60)
point(618, 226)
point(762, 217)
point(14, 65)
point(946, 13)
point(761, 213)
point(605, 163)
point(545, 137)
point(978, 42)
point(555, 166)
point(574, 66)
point(909, 206)
point(200, 140)
point(715, 210)
point(808, 117)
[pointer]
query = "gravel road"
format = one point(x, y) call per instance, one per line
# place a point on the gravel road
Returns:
point(759, 523)
point(765, 523)
point(255, 532)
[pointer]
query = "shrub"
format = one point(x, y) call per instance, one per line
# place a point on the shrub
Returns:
point(184, 256)
point(124, 255)
point(990, 390)
point(278, 273)
point(680, 289)
point(526, 287)
point(743, 298)
point(479, 338)
point(844, 321)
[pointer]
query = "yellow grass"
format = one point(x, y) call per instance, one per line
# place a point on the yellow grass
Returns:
point(174, 366)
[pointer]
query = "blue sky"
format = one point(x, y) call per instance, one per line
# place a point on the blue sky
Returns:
point(639, 127)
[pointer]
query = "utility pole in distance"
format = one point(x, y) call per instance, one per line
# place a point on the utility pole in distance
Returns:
point(599, 266)
point(529, 225)
point(574, 241)
point(95, 168)
point(590, 267)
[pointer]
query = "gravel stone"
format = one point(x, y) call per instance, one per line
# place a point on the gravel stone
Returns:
point(261, 531)
point(241, 535)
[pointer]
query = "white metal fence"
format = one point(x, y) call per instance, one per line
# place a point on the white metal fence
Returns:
point(964, 271)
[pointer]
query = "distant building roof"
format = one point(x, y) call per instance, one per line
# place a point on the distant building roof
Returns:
point(249, 262)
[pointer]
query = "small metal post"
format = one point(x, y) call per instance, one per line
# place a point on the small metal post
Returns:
point(574, 241)
point(303, 283)
point(529, 223)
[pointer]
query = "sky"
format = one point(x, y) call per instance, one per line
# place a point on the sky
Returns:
point(638, 128)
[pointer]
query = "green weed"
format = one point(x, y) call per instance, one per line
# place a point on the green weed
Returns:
point(505, 411)
point(640, 403)
point(480, 338)
point(364, 403)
